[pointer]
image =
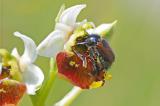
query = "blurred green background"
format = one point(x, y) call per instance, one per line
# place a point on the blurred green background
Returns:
point(136, 42)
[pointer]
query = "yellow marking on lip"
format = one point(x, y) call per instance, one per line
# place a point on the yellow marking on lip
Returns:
point(96, 84)
point(72, 63)
point(2, 91)
point(108, 76)
point(76, 65)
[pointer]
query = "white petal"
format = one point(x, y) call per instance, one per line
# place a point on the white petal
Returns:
point(53, 44)
point(33, 78)
point(64, 28)
point(69, 15)
point(15, 53)
point(103, 29)
point(30, 53)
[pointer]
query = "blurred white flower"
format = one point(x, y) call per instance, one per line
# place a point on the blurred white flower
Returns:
point(32, 75)
point(65, 25)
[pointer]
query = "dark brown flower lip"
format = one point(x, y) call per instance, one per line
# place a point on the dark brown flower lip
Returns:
point(11, 91)
point(71, 67)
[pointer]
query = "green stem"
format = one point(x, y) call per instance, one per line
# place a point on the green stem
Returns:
point(70, 97)
point(40, 98)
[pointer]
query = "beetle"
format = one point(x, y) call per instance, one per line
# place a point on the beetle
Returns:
point(97, 49)
point(87, 62)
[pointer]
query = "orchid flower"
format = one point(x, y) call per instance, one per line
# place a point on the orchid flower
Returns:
point(32, 75)
point(18, 74)
point(11, 86)
point(11, 91)
point(60, 44)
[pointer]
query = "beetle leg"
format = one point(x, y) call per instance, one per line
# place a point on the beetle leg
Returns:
point(81, 57)
point(93, 60)
point(82, 43)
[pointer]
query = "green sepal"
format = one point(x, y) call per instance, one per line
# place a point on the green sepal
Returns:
point(108, 31)
point(60, 13)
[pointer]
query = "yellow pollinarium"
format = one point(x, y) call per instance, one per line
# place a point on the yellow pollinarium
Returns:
point(79, 32)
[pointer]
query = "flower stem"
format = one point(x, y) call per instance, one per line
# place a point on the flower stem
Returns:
point(40, 98)
point(70, 97)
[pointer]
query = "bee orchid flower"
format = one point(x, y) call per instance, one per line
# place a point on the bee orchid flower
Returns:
point(18, 74)
point(32, 75)
point(82, 64)
point(11, 86)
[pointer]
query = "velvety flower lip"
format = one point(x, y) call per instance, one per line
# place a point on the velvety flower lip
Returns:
point(32, 75)
point(11, 91)
point(70, 66)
